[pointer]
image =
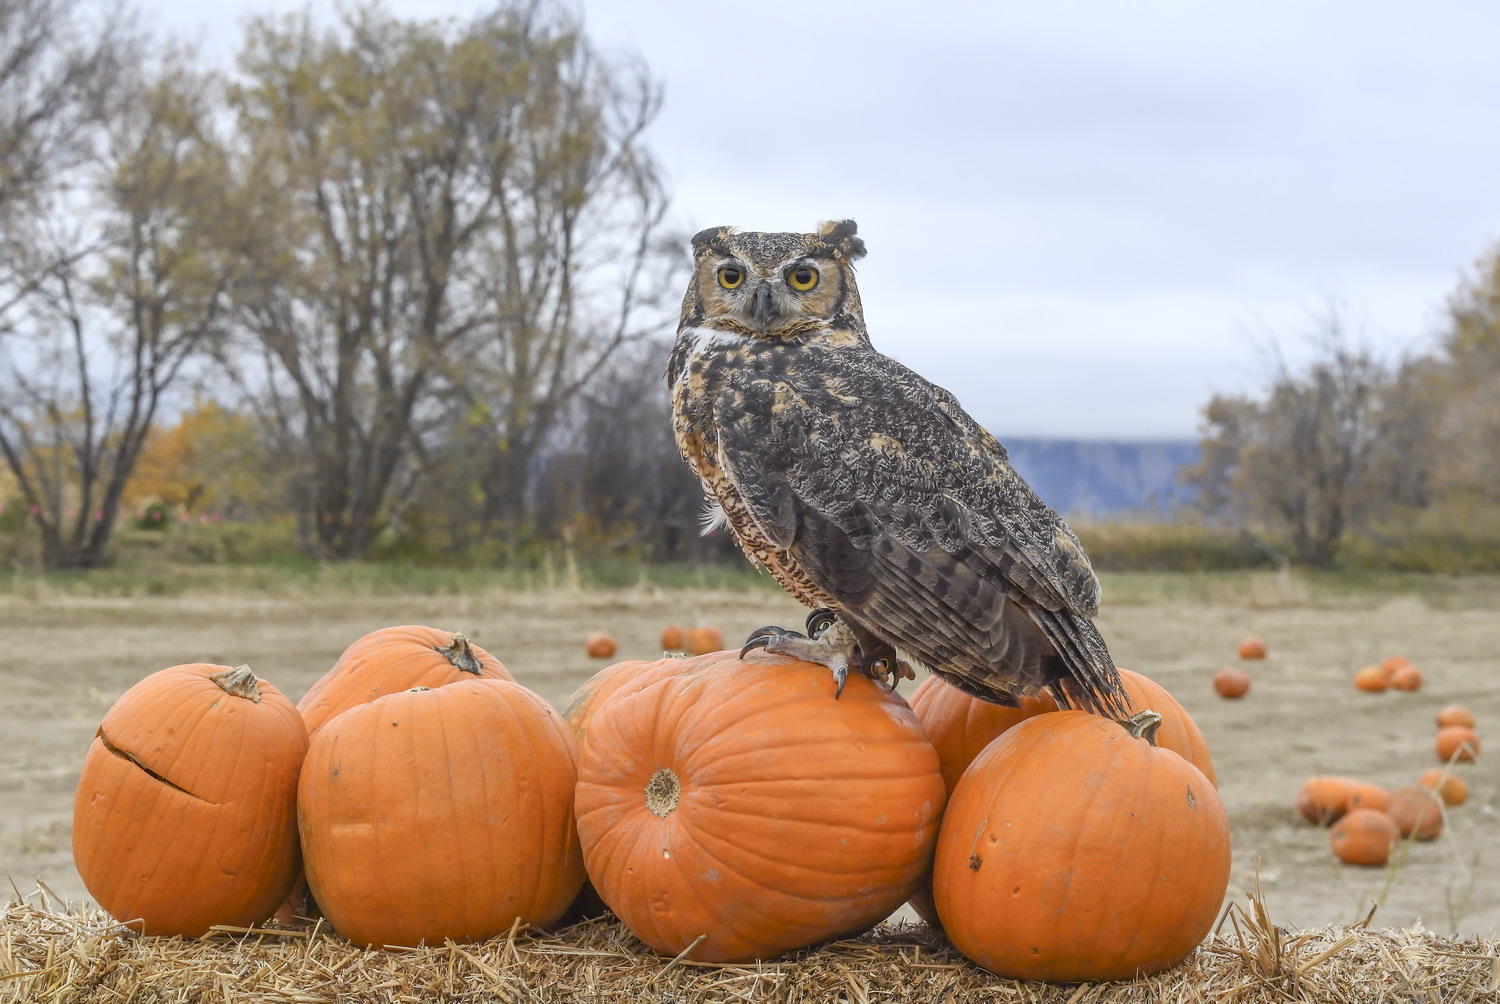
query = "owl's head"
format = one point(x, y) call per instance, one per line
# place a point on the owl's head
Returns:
point(775, 285)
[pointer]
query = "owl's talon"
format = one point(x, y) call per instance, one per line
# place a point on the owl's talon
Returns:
point(841, 677)
point(762, 637)
point(820, 620)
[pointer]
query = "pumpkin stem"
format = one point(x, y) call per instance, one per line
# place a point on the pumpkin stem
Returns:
point(662, 792)
point(239, 682)
point(1143, 725)
point(461, 654)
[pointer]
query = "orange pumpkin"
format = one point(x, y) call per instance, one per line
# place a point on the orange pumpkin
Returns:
point(1457, 742)
point(600, 645)
point(1389, 665)
point(672, 638)
point(444, 813)
point(705, 639)
point(1364, 837)
point(1323, 800)
point(627, 678)
point(1369, 796)
point(1455, 714)
point(744, 803)
point(1372, 679)
point(1231, 683)
point(1408, 678)
point(185, 814)
point(960, 725)
point(391, 660)
point(1417, 812)
point(1252, 648)
point(1450, 787)
point(1057, 822)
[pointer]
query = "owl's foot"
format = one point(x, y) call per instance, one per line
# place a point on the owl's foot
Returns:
point(832, 644)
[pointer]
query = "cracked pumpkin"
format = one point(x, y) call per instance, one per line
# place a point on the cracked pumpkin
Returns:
point(739, 811)
point(185, 814)
point(1074, 850)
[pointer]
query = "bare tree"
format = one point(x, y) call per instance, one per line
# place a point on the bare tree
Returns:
point(432, 191)
point(1326, 450)
point(132, 289)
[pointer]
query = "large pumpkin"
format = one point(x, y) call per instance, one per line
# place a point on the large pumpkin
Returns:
point(960, 726)
point(445, 813)
point(1072, 850)
point(741, 811)
point(185, 814)
point(391, 660)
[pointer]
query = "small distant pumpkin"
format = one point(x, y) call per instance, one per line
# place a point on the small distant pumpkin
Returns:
point(1252, 648)
point(1455, 714)
point(1457, 742)
point(1417, 812)
point(1369, 796)
point(1408, 678)
point(1324, 800)
point(1389, 665)
point(1231, 683)
point(704, 639)
point(1364, 837)
point(1449, 787)
point(673, 639)
point(1372, 680)
point(600, 645)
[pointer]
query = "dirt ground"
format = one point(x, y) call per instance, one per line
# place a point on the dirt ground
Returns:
point(63, 659)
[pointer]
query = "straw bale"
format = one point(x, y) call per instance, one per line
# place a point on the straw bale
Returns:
point(50, 952)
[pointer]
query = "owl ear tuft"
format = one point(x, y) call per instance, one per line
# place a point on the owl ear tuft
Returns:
point(704, 238)
point(840, 234)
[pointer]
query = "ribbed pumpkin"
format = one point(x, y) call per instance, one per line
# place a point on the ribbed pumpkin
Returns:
point(626, 678)
point(391, 660)
point(1073, 850)
point(442, 813)
point(621, 677)
point(743, 803)
point(185, 814)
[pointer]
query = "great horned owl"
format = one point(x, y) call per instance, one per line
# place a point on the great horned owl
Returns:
point(866, 491)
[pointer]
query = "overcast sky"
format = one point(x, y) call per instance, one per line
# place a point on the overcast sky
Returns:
point(1080, 217)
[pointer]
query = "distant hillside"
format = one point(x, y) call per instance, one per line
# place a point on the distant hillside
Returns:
point(1093, 477)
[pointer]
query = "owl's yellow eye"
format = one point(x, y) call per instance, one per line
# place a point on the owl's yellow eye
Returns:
point(730, 276)
point(802, 278)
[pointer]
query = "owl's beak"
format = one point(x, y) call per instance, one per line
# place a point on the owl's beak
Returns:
point(762, 310)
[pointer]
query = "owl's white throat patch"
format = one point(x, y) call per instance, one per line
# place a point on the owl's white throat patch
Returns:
point(700, 338)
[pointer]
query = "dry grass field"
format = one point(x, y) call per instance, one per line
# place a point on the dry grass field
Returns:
point(64, 656)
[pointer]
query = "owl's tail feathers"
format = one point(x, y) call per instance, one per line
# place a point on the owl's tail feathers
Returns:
point(1092, 682)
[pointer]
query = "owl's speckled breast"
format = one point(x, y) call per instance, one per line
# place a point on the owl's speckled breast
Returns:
point(706, 356)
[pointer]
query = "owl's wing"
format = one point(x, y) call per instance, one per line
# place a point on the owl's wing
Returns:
point(904, 510)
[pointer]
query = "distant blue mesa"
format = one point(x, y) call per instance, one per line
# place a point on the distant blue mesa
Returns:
point(1099, 478)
